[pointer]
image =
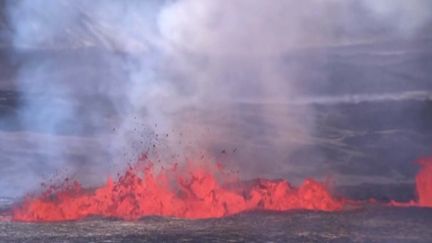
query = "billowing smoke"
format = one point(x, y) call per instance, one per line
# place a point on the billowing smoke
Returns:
point(405, 16)
point(103, 81)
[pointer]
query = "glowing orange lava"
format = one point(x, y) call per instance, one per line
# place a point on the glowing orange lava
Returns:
point(424, 183)
point(191, 192)
point(423, 187)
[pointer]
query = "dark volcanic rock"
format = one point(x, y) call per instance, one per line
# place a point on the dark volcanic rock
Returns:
point(375, 224)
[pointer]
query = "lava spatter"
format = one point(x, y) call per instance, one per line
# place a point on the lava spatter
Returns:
point(195, 191)
point(424, 183)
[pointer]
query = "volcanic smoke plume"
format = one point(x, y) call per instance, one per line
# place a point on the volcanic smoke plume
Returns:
point(212, 75)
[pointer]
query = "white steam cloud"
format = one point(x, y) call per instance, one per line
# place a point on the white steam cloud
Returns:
point(175, 67)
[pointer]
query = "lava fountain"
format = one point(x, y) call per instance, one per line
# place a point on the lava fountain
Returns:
point(195, 191)
point(424, 183)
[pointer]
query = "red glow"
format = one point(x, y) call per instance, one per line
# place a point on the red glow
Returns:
point(423, 187)
point(191, 192)
point(424, 183)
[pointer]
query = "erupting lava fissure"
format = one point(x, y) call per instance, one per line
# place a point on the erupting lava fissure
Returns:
point(424, 183)
point(194, 192)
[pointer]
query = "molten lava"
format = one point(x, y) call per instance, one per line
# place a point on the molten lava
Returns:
point(424, 183)
point(193, 192)
point(423, 187)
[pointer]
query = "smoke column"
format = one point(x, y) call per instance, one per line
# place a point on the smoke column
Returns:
point(106, 76)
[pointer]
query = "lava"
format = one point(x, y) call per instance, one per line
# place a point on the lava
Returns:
point(424, 183)
point(196, 191)
point(423, 187)
point(193, 191)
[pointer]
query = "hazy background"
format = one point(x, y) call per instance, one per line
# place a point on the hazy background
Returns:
point(280, 89)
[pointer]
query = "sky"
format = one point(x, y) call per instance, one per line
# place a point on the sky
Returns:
point(290, 89)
